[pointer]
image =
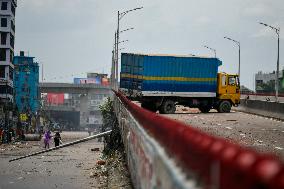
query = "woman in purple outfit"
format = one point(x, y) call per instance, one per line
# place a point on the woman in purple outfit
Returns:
point(47, 137)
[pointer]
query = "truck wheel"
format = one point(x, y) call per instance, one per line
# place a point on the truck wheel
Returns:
point(204, 109)
point(149, 106)
point(224, 107)
point(168, 107)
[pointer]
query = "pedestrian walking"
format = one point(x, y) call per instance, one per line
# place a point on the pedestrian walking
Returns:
point(47, 137)
point(57, 139)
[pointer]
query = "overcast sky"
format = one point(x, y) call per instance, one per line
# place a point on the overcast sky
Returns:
point(71, 37)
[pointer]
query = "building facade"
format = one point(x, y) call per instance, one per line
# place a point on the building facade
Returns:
point(265, 82)
point(7, 36)
point(26, 83)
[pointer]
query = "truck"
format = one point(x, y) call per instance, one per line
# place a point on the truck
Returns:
point(161, 82)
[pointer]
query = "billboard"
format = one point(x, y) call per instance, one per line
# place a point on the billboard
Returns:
point(105, 82)
point(96, 80)
point(55, 98)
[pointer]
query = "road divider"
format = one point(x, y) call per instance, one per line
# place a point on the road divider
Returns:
point(264, 108)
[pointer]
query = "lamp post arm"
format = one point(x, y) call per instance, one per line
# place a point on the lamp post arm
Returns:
point(121, 15)
point(126, 30)
point(214, 50)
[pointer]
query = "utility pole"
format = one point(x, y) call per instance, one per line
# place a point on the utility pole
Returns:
point(277, 30)
point(119, 17)
point(239, 45)
point(117, 41)
point(277, 73)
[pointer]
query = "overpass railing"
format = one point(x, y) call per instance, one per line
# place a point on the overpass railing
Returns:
point(163, 153)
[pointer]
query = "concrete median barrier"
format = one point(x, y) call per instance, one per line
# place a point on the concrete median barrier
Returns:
point(264, 108)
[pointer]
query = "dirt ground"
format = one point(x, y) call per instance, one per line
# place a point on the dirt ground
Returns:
point(72, 167)
point(257, 132)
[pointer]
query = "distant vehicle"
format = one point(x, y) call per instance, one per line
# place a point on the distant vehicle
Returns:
point(160, 82)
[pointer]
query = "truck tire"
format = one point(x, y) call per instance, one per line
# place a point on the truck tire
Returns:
point(167, 107)
point(204, 109)
point(224, 107)
point(149, 106)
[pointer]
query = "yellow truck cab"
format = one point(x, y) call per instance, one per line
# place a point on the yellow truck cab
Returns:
point(228, 91)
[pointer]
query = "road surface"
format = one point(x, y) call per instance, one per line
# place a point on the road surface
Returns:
point(68, 168)
point(257, 132)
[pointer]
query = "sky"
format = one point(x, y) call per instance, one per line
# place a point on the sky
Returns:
point(72, 37)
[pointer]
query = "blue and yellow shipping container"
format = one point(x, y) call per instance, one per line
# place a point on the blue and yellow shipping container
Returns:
point(168, 73)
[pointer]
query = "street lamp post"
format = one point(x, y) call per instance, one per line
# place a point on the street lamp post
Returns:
point(239, 45)
point(214, 50)
point(119, 17)
point(277, 30)
point(115, 62)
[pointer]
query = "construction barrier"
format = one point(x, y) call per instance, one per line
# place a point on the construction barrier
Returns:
point(163, 153)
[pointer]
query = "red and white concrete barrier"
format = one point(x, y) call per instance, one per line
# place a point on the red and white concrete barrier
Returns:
point(163, 153)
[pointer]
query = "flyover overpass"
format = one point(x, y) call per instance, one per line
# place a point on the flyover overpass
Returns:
point(88, 106)
point(73, 88)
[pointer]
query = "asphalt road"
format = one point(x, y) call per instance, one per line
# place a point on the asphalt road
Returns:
point(64, 168)
point(257, 132)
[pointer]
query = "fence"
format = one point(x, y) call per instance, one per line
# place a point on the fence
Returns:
point(189, 158)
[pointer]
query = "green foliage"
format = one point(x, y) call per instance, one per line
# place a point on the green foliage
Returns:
point(113, 142)
point(108, 114)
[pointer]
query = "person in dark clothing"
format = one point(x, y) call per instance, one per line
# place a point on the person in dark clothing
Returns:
point(57, 139)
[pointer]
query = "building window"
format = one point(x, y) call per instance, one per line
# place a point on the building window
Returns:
point(4, 6)
point(3, 22)
point(3, 38)
point(232, 80)
point(2, 54)
point(2, 71)
point(259, 82)
point(4, 89)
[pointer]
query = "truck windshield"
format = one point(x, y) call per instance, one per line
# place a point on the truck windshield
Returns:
point(232, 80)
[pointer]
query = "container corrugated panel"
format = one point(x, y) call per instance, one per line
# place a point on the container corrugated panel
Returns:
point(169, 73)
